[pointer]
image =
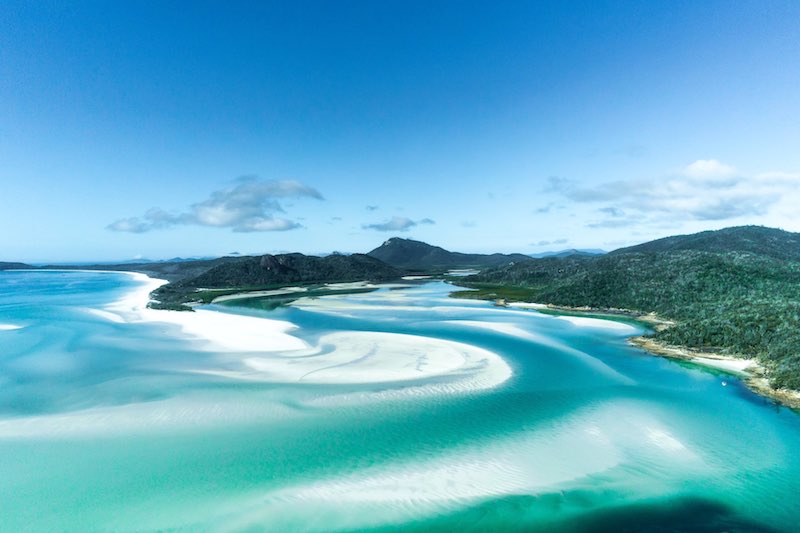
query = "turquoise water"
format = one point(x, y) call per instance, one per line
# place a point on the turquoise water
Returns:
point(128, 426)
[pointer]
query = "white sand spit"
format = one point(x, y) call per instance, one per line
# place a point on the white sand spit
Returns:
point(217, 331)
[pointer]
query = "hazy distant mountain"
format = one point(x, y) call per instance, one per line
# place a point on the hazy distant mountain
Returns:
point(567, 253)
point(759, 240)
point(416, 255)
point(9, 266)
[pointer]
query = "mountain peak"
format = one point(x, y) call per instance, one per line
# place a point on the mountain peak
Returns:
point(417, 255)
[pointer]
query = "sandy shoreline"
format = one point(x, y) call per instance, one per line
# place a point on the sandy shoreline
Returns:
point(750, 370)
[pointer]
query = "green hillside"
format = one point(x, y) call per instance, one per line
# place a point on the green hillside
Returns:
point(730, 300)
point(419, 256)
point(758, 240)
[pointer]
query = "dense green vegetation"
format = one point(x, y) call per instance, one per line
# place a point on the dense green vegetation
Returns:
point(736, 302)
point(756, 240)
point(418, 256)
point(241, 274)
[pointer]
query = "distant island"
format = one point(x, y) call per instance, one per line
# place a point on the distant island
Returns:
point(13, 266)
point(733, 292)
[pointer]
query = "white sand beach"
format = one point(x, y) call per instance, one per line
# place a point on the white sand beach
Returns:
point(731, 365)
point(213, 330)
point(526, 305)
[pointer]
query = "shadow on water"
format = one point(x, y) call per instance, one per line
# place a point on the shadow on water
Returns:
point(524, 513)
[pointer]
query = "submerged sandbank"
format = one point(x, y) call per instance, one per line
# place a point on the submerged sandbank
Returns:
point(258, 294)
point(591, 442)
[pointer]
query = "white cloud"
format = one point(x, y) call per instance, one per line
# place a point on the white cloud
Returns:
point(550, 243)
point(709, 168)
point(397, 224)
point(706, 190)
point(248, 206)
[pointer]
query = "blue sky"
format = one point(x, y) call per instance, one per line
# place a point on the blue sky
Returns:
point(158, 129)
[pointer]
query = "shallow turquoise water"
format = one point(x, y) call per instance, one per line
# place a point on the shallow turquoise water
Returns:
point(110, 426)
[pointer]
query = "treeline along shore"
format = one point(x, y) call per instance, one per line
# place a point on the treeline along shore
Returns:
point(733, 292)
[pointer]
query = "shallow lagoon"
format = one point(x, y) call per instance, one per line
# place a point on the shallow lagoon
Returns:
point(115, 425)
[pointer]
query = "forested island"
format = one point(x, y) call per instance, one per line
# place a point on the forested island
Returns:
point(734, 291)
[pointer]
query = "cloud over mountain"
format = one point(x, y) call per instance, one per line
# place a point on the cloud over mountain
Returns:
point(397, 224)
point(250, 205)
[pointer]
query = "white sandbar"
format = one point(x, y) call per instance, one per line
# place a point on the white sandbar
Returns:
point(339, 358)
point(258, 294)
point(359, 357)
point(9, 327)
point(217, 331)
